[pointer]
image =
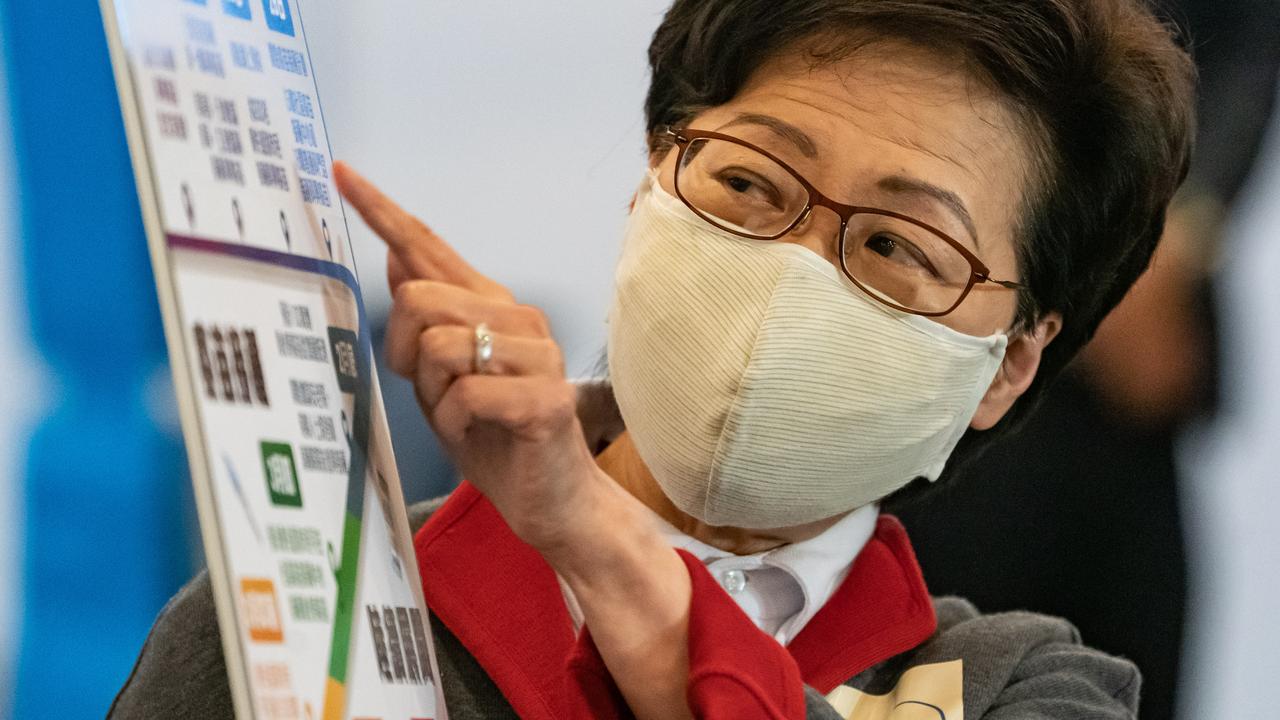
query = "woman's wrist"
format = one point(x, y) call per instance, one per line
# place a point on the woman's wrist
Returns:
point(614, 559)
point(604, 529)
point(634, 592)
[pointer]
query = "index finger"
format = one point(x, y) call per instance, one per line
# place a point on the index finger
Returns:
point(424, 254)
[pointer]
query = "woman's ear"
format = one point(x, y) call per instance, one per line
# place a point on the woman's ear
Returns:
point(1016, 373)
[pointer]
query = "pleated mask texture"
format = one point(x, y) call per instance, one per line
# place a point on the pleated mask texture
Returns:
point(763, 389)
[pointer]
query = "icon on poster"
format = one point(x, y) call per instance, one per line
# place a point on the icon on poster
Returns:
point(343, 343)
point(281, 474)
point(262, 614)
point(278, 16)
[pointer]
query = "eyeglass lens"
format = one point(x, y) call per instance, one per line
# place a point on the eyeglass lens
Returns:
point(747, 193)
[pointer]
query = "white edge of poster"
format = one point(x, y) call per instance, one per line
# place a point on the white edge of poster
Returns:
point(184, 388)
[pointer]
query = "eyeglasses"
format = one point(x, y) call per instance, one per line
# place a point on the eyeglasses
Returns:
point(898, 260)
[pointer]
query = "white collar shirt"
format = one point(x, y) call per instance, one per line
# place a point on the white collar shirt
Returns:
point(781, 589)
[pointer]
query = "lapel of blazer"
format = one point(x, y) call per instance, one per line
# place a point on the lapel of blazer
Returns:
point(882, 609)
point(503, 603)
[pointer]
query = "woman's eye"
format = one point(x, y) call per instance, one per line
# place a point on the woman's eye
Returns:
point(748, 186)
point(895, 249)
point(899, 251)
point(882, 245)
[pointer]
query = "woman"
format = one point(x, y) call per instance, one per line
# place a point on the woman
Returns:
point(871, 232)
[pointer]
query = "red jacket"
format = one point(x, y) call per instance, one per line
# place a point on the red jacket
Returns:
point(503, 602)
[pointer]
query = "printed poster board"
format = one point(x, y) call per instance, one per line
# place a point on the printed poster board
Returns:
point(304, 526)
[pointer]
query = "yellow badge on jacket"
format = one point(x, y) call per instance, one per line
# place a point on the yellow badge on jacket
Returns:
point(926, 692)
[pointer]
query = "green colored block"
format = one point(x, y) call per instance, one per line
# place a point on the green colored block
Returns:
point(281, 474)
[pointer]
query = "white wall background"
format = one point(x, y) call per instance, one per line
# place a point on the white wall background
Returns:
point(514, 129)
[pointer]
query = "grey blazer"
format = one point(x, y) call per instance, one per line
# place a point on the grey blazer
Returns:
point(1016, 665)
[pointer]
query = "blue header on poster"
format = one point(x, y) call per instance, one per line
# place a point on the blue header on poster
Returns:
point(279, 17)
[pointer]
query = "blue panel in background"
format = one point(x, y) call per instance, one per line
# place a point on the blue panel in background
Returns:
point(106, 490)
point(279, 18)
point(237, 8)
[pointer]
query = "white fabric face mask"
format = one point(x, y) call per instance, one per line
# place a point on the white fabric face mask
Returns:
point(763, 389)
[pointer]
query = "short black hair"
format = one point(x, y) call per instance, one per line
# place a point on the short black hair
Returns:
point(1103, 87)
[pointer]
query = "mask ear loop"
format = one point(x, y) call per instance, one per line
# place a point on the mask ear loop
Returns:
point(1019, 328)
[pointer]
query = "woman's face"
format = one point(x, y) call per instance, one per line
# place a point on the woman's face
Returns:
point(900, 128)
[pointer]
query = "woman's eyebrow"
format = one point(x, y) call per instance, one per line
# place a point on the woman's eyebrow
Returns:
point(902, 185)
point(781, 128)
point(893, 184)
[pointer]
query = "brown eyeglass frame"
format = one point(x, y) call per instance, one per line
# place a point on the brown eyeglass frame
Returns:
point(980, 273)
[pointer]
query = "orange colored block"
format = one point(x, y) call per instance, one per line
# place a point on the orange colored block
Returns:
point(262, 613)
